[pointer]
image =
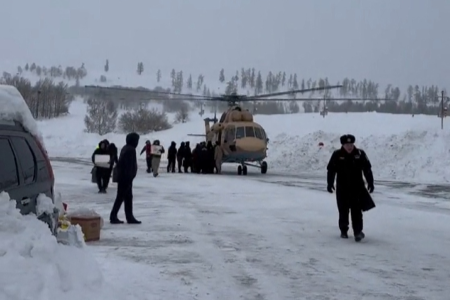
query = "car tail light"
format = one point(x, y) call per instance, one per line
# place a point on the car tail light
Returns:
point(47, 160)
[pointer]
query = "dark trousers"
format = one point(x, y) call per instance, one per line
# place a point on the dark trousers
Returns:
point(180, 163)
point(124, 195)
point(102, 176)
point(349, 204)
point(186, 165)
point(171, 165)
point(149, 163)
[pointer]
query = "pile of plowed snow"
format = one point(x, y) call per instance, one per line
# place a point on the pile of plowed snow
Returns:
point(419, 155)
point(34, 266)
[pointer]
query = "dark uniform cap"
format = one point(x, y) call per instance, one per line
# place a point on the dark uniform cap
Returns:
point(347, 139)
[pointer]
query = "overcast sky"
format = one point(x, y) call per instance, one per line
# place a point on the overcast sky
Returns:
point(389, 41)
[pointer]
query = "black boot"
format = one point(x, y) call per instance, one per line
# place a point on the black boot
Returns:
point(359, 236)
point(344, 235)
point(115, 221)
point(133, 221)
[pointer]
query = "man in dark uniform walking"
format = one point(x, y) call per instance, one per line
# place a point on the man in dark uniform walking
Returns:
point(349, 163)
point(127, 170)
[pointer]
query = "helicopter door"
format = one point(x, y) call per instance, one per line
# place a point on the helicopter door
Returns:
point(229, 139)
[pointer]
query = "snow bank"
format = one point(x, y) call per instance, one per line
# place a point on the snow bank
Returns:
point(34, 266)
point(413, 155)
point(14, 108)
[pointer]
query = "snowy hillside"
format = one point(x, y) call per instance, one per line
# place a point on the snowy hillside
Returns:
point(400, 147)
point(128, 78)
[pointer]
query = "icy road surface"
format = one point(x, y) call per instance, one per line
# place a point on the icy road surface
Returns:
point(229, 237)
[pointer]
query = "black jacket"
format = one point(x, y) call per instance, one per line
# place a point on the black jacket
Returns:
point(100, 151)
point(180, 152)
point(127, 165)
point(172, 152)
point(187, 152)
point(349, 168)
point(113, 152)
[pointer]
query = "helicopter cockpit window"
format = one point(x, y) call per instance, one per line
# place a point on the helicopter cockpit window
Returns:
point(240, 132)
point(258, 133)
point(249, 131)
point(263, 134)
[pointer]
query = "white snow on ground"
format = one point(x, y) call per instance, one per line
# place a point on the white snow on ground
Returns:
point(33, 266)
point(401, 147)
point(228, 237)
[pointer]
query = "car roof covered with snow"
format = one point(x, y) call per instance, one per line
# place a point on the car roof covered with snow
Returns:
point(14, 108)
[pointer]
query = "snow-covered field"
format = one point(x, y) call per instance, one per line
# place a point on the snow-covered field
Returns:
point(270, 236)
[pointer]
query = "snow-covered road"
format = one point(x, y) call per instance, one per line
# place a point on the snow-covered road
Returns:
point(264, 237)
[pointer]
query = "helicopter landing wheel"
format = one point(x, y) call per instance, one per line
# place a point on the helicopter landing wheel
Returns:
point(264, 167)
point(244, 170)
point(239, 170)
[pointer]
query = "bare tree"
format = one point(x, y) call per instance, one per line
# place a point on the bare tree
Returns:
point(143, 121)
point(101, 116)
point(182, 115)
point(45, 99)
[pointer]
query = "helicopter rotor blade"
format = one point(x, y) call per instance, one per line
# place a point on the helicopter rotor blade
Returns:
point(295, 92)
point(142, 90)
point(316, 99)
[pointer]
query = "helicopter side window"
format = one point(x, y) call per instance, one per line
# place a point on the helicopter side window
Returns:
point(240, 132)
point(249, 131)
point(229, 135)
point(258, 133)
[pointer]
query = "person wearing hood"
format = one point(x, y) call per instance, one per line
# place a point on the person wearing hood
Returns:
point(157, 151)
point(210, 163)
point(187, 163)
point(196, 159)
point(127, 170)
point(172, 157)
point(102, 173)
point(148, 155)
point(180, 155)
point(203, 158)
point(349, 164)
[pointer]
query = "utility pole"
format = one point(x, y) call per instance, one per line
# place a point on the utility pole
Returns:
point(202, 111)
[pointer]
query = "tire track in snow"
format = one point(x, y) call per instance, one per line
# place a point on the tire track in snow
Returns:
point(227, 254)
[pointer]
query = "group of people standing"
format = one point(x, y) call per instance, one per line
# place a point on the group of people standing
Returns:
point(204, 158)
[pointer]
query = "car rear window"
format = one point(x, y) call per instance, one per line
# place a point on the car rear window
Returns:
point(8, 169)
point(26, 159)
point(41, 164)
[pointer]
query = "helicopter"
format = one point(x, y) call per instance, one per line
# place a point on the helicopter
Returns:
point(241, 139)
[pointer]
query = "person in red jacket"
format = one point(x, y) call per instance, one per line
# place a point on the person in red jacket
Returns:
point(148, 155)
